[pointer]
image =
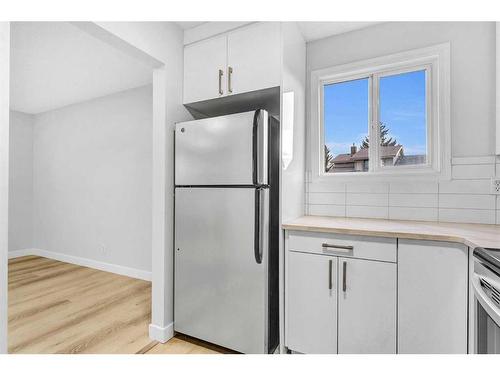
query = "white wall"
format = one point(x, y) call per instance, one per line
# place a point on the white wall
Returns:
point(21, 181)
point(160, 44)
point(163, 41)
point(293, 123)
point(467, 198)
point(92, 179)
point(4, 177)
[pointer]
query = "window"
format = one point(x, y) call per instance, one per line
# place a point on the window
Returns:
point(403, 119)
point(384, 116)
point(398, 102)
point(346, 121)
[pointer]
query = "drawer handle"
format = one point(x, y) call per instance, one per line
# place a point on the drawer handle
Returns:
point(338, 247)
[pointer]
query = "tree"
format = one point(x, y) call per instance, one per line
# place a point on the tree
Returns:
point(328, 159)
point(384, 134)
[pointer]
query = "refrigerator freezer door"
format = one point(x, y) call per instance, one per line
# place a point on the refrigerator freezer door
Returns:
point(220, 150)
point(220, 289)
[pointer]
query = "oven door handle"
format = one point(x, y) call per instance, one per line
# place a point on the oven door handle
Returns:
point(488, 305)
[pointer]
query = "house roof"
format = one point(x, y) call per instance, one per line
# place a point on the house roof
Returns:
point(362, 154)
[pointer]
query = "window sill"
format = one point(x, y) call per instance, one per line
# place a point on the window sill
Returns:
point(387, 176)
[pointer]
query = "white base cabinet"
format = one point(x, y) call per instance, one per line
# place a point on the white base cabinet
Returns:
point(312, 303)
point(366, 307)
point(404, 296)
point(432, 296)
point(340, 304)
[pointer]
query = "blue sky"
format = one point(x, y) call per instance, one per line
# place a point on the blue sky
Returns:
point(402, 109)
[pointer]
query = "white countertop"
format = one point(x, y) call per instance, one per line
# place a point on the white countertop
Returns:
point(473, 235)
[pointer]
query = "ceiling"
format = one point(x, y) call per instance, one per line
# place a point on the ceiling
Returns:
point(54, 64)
point(189, 24)
point(310, 30)
point(318, 30)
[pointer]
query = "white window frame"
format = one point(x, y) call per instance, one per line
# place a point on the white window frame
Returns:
point(435, 60)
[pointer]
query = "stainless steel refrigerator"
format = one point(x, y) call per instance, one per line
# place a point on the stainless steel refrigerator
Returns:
point(227, 231)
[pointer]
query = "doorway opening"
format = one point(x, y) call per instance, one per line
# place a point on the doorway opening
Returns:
point(80, 187)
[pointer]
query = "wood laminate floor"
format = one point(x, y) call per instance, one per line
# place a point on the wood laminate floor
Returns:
point(57, 307)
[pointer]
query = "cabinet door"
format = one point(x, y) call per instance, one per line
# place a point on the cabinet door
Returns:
point(432, 297)
point(202, 62)
point(311, 314)
point(367, 306)
point(254, 57)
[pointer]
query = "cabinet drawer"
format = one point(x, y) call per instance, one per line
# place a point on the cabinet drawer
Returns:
point(376, 248)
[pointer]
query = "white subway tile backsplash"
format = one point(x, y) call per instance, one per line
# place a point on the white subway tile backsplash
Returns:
point(466, 172)
point(465, 187)
point(413, 200)
point(485, 202)
point(467, 198)
point(307, 177)
point(458, 215)
point(413, 213)
point(367, 199)
point(413, 187)
point(473, 160)
point(363, 187)
point(326, 210)
point(334, 187)
point(367, 212)
point(327, 198)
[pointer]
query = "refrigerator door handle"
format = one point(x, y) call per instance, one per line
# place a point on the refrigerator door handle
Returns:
point(261, 223)
point(260, 147)
point(257, 249)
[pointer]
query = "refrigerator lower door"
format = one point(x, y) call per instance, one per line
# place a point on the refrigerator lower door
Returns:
point(220, 289)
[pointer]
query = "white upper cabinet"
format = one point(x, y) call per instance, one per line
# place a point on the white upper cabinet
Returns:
point(205, 69)
point(254, 56)
point(240, 61)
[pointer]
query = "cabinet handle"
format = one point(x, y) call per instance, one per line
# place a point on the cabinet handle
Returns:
point(344, 248)
point(344, 276)
point(221, 73)
point(229, 72)
point(330, 272)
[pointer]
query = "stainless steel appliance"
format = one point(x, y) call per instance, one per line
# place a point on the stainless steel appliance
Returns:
point(486, 284)
point(227, 230)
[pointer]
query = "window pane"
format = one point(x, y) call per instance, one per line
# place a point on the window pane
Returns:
point(403, 129)
point(346, 126)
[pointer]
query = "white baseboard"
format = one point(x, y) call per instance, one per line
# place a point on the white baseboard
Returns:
point(161, 334)
point(103, 266)
point(21, 253)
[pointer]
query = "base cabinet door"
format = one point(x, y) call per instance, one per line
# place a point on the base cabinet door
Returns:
point(366, 306)
point(311, 320)
point(432, 295)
